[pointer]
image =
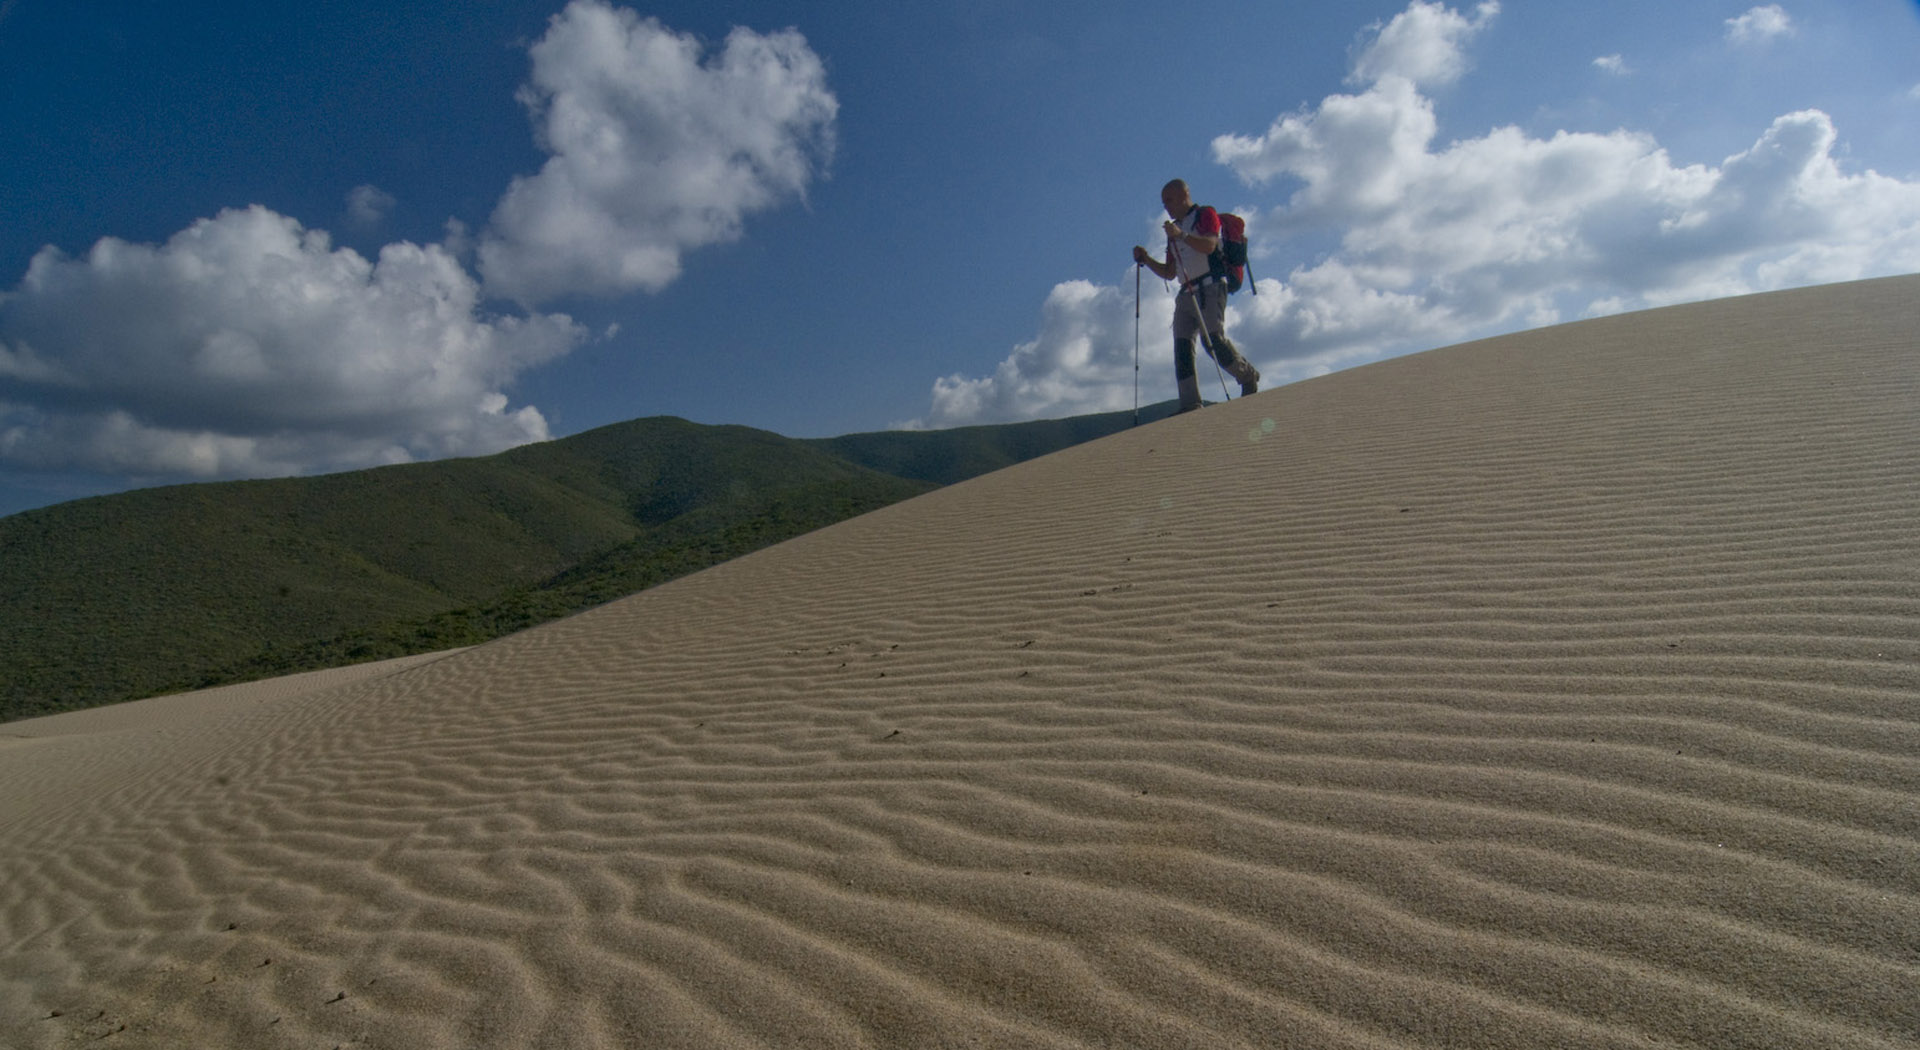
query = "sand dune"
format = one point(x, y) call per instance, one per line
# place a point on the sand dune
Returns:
point(1556, 690)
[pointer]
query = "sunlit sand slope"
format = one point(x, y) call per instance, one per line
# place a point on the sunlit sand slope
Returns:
point(1557, 690)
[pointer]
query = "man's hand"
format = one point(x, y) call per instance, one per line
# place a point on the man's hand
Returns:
point(1140, 256)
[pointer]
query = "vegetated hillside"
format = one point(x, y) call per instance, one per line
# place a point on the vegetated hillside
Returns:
point(947, 456)
point(152, 591)
point(155, 591)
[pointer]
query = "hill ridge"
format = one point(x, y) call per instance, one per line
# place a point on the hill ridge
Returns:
point(179, 587)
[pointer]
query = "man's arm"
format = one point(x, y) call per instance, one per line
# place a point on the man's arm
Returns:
point(1205, 237)
point(1199, 242)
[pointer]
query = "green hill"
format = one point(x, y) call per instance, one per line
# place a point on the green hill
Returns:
point(947, 456)
point(161, 590)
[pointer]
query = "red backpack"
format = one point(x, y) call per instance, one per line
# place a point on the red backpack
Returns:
point(1229, 261)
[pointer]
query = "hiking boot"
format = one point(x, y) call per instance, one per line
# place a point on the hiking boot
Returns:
point(1248, 376)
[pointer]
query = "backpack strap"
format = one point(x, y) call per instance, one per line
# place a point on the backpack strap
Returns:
point(1216, 259)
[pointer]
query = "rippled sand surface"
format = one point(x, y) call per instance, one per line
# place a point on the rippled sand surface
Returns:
point(1557, 690)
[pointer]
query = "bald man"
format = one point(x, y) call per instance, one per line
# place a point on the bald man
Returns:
point(1193, 236)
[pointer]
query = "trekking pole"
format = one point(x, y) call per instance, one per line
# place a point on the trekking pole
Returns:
point(1207, 341)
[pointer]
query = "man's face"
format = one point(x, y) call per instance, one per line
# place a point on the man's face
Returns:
point(1174, 201)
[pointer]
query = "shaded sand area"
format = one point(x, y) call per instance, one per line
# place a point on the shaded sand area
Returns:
point(1557, 690)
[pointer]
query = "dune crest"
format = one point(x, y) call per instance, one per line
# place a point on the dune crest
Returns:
point(1560, 689)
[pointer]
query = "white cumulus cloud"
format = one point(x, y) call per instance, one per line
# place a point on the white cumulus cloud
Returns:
point(368, 205)
point(1425, 44)
point(1760, 24)
point(657, 148)
point(1082, 361)
point(1442, 241)
point(1615, 64)
point(247, 345)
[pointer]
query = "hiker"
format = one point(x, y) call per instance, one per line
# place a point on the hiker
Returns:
point(1193, 236)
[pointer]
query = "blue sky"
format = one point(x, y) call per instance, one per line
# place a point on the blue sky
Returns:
point(242, 240)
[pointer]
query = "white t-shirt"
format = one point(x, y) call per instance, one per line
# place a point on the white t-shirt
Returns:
point(1189, 262)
